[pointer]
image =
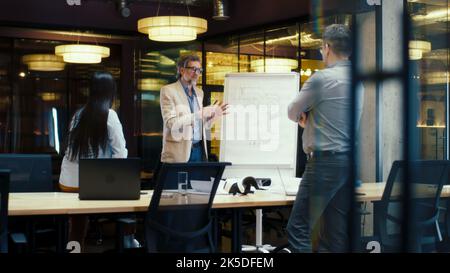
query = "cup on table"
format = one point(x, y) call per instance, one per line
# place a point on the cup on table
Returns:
point(182, 182)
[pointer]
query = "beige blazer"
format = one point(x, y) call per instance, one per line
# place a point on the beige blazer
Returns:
point(178, 123)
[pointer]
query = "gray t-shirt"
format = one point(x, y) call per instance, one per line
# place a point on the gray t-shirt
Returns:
point(326, 98)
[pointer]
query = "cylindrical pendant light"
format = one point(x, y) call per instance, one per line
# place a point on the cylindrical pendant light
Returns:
point(172, 28)
point(81, 53)
point(43, 62)
point(274, 65)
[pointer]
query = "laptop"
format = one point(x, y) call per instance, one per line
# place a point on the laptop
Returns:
point(291, 185)
point(109, 179)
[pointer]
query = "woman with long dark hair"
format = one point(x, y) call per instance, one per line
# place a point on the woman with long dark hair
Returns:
point(95, 132)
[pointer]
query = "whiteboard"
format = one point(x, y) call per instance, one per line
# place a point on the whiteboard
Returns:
point(257, 132)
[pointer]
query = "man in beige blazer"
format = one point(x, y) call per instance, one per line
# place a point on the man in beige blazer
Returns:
point(184, 117)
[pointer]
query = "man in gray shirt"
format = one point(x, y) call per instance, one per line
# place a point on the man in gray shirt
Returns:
point(323, 109)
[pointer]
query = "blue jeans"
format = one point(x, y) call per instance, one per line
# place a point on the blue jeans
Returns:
point(196, 154)
point(323, 204)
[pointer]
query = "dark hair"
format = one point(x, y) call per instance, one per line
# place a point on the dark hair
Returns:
point(184, 60)
point(339, 38)
point(91, 131)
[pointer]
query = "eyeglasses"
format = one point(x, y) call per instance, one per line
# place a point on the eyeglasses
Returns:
point(195, 69)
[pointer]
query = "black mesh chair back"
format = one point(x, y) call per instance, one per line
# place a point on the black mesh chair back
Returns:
point(178, 222)
point(425, 182)
point(31, 173)
point(4, 194)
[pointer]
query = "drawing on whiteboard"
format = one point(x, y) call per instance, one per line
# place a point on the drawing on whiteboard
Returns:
point(257, 131)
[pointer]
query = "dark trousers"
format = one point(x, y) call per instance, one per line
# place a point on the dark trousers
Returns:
point(322, 205)
point(196, 153)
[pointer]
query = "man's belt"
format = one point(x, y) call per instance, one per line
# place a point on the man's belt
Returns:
point(325, 154)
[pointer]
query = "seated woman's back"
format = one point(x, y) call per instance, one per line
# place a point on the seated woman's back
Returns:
point(95, 131)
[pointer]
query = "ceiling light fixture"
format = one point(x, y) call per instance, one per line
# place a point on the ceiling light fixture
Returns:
point(274, 65)
point(49, 96)
point(172, 28)
point(151, 84)
point(44, 62)
point(437, 15)
point(220, 10)
point(417, 48)
point(82, 53)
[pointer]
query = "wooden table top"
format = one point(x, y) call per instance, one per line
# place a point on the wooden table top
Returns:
point(53, 203)
point(49, 203)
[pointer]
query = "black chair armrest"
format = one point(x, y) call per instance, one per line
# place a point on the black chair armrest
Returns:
point(18, 238)
point(19, 242)
point(126, 221)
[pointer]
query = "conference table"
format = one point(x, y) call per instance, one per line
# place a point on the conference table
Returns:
point(58, 203)
point(64, 204)
point(372, 192)
point(51, 203)
point(61, 203)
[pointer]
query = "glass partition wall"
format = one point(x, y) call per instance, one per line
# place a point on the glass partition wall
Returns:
point(272, 49)
point(295, 47)
point(156, 68)
point(429, 54)
point(405, 121)
point(37, 102)
point(429, 57)
point(36, 106)
point(38, 97)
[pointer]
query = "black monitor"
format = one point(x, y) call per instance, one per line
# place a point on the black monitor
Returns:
point(29, 172)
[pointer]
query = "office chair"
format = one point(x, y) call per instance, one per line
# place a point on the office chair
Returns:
point(156, 172)
point(149, 183)
point(31, 173)
point(4, 193)
point(177, 222)
point(444, 224)
point(18, 240)
point(425, 180)
point(123, 222)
